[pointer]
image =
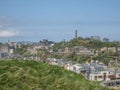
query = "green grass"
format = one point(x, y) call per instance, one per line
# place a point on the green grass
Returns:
point(33, 75)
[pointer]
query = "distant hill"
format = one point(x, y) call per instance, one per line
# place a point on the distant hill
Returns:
point(33, 75)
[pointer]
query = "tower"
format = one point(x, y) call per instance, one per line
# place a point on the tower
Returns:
point(76, 36)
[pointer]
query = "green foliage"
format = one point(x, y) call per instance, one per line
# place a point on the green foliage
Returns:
point(85, 42)
point(60, 45)
point(78, 42)
point(105, 57)
point(33, 75)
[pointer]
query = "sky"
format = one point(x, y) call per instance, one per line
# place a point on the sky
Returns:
point(56, 20)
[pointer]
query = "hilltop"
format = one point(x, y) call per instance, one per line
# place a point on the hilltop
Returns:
point(33, 75)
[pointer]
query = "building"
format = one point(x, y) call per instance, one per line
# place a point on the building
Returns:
point(110, 49)
point(3, 55)
point(11, 49)
point(81, 50)
point(101, 76)
point(32, 50)
point(4, 48)
point(68, 50)
point(78, 68)
point(95, 38)
point(105, 75)
point(45, 42)
point(104, 49)
point(105, 40)
point(57, 62)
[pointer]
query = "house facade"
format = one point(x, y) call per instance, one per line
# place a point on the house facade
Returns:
point(80, 50)
point(101, 76)
point(4, 48)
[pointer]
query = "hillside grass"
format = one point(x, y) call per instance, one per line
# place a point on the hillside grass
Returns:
point(33, 75)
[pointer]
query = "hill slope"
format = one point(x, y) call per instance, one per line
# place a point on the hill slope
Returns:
point(32, 75)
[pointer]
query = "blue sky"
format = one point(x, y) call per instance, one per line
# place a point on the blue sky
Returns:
point(56, 20)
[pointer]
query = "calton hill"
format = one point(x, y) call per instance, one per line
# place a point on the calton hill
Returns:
point(84, 50)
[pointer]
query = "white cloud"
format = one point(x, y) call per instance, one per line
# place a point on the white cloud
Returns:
point(8, 33)
point(6, 28)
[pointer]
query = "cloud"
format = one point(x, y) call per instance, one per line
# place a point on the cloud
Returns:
point(8, 33)
point(6, 28)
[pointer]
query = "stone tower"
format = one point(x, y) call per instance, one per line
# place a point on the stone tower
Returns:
point(76, 34)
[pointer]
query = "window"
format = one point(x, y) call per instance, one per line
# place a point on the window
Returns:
point(95, 77)
point(99, 76)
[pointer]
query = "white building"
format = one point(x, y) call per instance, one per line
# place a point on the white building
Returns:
point(78, 68)
point(101, 76)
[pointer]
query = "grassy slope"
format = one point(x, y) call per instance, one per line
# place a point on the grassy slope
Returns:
point(32, 75)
